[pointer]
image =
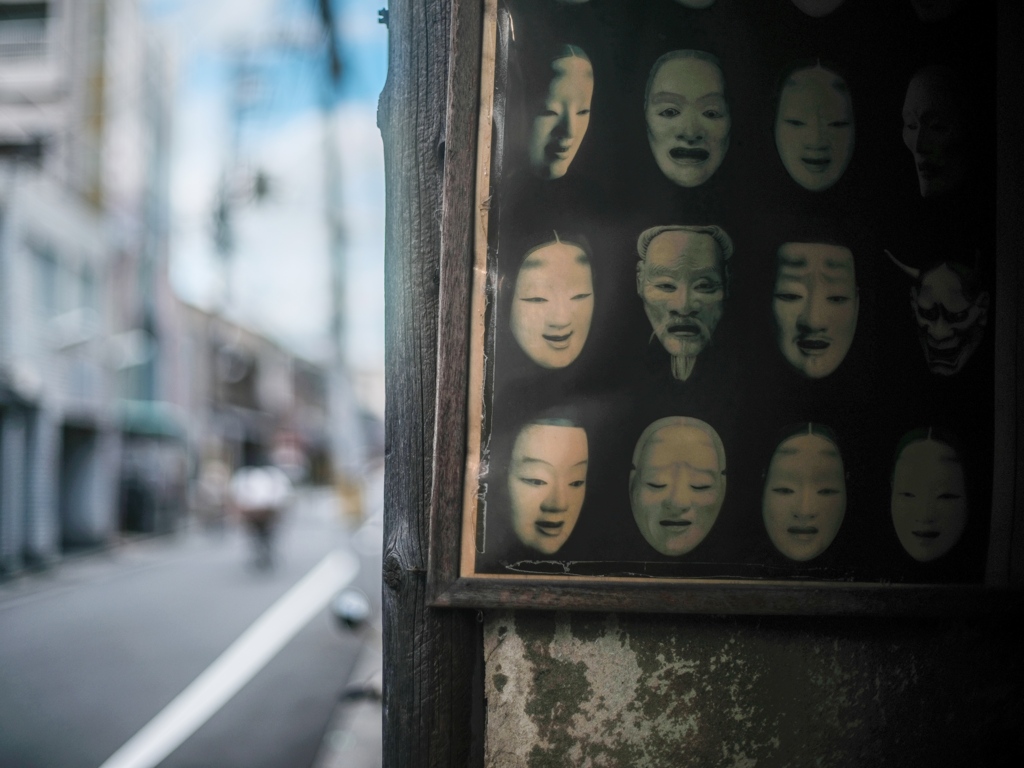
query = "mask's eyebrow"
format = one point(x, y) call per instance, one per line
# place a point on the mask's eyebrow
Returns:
point(795, 267)
point(660, 270)
point(532, 460)
point(795, 262)
point(791, 451)
point(532, 263)
point(535, 460)
point(670, 97)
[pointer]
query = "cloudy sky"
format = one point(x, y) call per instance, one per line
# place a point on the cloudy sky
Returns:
point(280, 273)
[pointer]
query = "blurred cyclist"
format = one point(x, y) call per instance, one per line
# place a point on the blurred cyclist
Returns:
point(260, 495)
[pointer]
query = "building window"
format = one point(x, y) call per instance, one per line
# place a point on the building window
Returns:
point(23, 30)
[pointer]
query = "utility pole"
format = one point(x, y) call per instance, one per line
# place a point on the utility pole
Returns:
point(245, 95)
point(347, 434)
point(332, 178)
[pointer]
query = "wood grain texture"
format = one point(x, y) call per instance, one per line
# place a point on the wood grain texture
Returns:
point(457, 232)
point(428, 691)
point(750, 598)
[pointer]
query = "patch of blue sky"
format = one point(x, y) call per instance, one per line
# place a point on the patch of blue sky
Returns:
point(287, 59)
point(281, 133)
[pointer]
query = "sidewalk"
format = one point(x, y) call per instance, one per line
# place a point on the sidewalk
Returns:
point(354, 736)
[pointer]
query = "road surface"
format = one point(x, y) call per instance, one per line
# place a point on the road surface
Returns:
point(92, 652)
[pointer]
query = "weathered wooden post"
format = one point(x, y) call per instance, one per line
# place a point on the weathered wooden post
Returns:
point(426, 119)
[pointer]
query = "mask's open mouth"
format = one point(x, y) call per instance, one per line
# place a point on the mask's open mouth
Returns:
point(684, 329)
point(560, 338)
point(813, 346)
point(687, 155)
point(816, 163)
point(549, 527)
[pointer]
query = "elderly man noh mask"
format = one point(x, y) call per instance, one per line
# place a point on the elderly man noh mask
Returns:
point(951, 311)
point(677, 484)
point(681, 277)
point(935, 130)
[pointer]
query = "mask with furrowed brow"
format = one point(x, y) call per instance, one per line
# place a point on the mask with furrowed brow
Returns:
point(951, 311)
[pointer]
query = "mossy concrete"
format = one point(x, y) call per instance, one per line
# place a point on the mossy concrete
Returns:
point(596, 691)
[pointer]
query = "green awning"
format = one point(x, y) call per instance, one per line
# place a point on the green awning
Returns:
point(153, 418)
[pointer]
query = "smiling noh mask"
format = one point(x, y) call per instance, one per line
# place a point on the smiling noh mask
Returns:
point(553, 303)
point(688, 120)
point(814, 127)
point(804, 498)
point(677, 484)
point(547, 482)
point(929, 498)
point(951, 311)
point(561, 119)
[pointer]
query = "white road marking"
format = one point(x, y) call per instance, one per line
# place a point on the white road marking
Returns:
point(237, 665)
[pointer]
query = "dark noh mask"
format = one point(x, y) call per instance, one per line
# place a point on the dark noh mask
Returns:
point(951, 311)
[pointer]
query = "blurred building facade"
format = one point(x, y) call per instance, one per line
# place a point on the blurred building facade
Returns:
point(247, 400)
point(84, 115)
point(114, 395)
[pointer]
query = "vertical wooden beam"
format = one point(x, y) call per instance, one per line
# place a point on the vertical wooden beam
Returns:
point(429, 653)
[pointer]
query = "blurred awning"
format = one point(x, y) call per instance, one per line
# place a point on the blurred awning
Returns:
point(153, 418)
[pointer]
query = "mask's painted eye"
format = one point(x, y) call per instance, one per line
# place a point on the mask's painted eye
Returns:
point(577, 483)
point(669, 112)
point(656, 486)
point(794, 122)
point(783, 490)
point(828, 491)
point(788, 297)
point(535, 481)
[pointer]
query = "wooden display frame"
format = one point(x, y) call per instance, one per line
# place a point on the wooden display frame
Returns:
point(454, 579)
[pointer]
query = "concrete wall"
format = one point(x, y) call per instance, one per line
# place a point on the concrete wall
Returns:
point(589, 690)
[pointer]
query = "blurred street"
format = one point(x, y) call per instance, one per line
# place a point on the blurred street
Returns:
point(92, 651)
point(191, 326)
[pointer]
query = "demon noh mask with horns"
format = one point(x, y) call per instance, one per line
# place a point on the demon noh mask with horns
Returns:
point(951, 310)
